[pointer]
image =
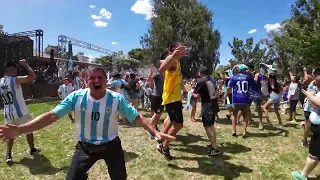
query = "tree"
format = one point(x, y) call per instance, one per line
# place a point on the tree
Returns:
point(246, 53)
point(138, 54)
point(189, 21)
point(303, 30)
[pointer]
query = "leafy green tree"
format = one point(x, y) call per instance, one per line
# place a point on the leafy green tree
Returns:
point(246, 52)
point(189, 21)
point(138, 54)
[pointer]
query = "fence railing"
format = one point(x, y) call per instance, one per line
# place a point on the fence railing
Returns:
point(38, 91)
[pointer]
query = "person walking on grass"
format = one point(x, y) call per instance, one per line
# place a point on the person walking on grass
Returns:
point(241, 84)
point(15, 109)
point(314, 124)
point(96, 126)
point(171, 95)
point(64, 90)
point(207, 92)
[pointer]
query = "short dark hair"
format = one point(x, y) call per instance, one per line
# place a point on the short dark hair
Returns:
point(297, 78)
point(10, 64)
point(251, 67)
point(94, 68)
point(316, 71)
point(174, 45)
point(116, 75)
point(204, 70)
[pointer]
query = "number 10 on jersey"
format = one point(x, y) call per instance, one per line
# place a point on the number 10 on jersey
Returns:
point(243, 86)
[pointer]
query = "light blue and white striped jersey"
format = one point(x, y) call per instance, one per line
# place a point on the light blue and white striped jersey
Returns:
point(117, 85)
point(70, 65)
point(77, 83)
point(65, 90)
point(308, 105)
point(12, 97)
point(315, 114)
point(96, 120)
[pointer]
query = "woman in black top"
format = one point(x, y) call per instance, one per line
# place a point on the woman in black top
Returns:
point(133, 90)
point(275, 92)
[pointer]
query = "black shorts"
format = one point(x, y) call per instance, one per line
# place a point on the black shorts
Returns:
point(208, 112)
point(174, 110)
point(314, 147)
point(293, 105)
point(156, 106)
point(306, 115)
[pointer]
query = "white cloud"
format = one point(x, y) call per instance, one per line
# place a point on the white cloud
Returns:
point(92, 6)
point(252, 31)
point(95, 17)
point(143, 7)
point(100, 23)
point(114, 43)
point(273, 27)
point(104, 14)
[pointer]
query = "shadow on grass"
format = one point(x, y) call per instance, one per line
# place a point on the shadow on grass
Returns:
point(276, 132)
point(41, 165)
point(129, 156)
point(232, 148)
point(189, 138)
point(220, 167)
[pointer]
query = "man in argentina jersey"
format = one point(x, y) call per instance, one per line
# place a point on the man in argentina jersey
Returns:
point(96, 126)
point(15, 109)
point(241, 83)
point(64, 90)
point(77, 81)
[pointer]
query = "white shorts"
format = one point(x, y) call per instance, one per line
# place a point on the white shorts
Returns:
point(19, 121)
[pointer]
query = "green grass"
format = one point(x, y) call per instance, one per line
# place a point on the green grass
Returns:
point(269, 154)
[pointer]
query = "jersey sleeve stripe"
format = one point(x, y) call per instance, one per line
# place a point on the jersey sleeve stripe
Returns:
point(15, 102)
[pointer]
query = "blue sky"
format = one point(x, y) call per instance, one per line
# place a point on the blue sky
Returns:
point(118, 24)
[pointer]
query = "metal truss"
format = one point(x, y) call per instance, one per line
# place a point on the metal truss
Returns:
point(35, 33)
point(64, 41)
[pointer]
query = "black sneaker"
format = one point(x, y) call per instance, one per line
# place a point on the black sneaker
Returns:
point(208, 146)
point(151, 135)
point(234, 134)
point(213, 152)
point(159, 141)
point(228, 117)
point(9, 159)
point(167, 155)
point(34, 151)
point(164, 152)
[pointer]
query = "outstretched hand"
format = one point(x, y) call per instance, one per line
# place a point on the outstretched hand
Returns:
point(161, 136)
point(9, 131)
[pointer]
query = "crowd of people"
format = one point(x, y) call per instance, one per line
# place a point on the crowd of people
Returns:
point(98, 103)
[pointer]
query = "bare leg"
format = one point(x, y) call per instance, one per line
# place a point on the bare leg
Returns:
point(276, 110)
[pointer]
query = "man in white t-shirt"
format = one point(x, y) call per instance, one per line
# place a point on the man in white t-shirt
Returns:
point(293, 97)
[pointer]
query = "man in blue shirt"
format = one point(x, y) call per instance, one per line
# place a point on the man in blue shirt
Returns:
point(241, 83)
point(96, 126)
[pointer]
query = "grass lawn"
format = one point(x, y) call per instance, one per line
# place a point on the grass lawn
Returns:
point(267, 155)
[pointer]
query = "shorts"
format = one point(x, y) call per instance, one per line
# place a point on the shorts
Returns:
point(265, 98)
point(156, 106)
point(133, 95)
point(275, 98)
point(19, 121)
point(306, 115)
point(192, 101)
point(314, 147)
point(293, 105)
point(208, 113)
point(244, 108)
point(257, 101)
point(174, 110)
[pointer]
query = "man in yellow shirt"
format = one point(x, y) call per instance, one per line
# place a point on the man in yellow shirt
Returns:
point(171, 96)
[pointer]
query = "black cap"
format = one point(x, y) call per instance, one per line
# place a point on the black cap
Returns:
point(10, 64)
point(204, 70)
